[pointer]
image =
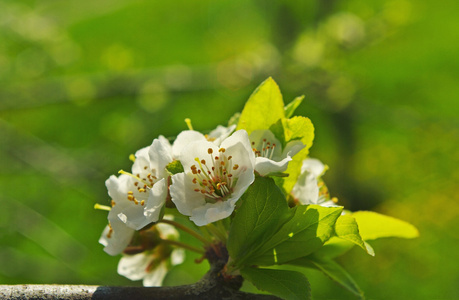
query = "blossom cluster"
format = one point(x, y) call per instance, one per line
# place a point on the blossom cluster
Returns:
point(217, 170)
point(248, 188)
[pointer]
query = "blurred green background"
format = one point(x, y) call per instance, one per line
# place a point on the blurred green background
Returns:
point(85, 84)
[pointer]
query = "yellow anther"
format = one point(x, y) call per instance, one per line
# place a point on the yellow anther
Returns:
point(188, 123)
point(142, 202)
point(132, 157)
point(102, 207)
point(142, 190)
point(334, 199)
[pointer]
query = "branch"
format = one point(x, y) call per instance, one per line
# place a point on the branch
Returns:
point(213, 285)
point(93, 292)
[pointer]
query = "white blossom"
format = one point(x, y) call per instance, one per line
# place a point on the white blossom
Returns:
point(270, 157)
point(309, 188)
point(152, 266)
point(137, 197)
point(214, 178)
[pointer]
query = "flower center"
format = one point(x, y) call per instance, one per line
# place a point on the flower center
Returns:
point(143, 182)
point(266, 149)
point(214, 179)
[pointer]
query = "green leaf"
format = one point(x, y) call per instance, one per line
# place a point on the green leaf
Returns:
point(293, 171)
point(174, 167)
point(282, 283)
point(292, 106)
point(374, 226)
point(347, 229)
point(296, 128)
point(263, 209)
point(334, 247)
point(333, 270)
point(305, 232)
point(299, 128)
point(263, 109)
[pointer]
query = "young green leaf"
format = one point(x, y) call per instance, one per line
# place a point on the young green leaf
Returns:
point(292, 106)
point(347, 229)
point(334, 247)
point(296, 128)
point(282, 283)
point(264, 107)
point(374, 226)
point(299, 128)
point(332, 270)
point(263, 209)
point(305, 232)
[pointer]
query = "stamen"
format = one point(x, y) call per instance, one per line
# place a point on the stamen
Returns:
point(132, 157)
point(102, 207)
point(188, 123)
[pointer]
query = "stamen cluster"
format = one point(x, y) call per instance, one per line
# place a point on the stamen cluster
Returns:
point(267, 149)
point(214, 180)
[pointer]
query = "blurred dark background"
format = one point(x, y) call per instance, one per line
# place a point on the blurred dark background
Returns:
point(85, 84)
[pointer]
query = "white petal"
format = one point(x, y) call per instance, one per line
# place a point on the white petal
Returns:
point(165, 142)
point(160, 155)
point(211, 212)
point(245, 179)
point(177, 256)
point(118, 187)
point(167, 231)
point(195, 150)
point(292, 148)
point(313, 166)
point(220, 133)
point(306, 189)
point(129, 213)
point(156, 276)
point(134, 267)
point(119, 238)
point(264, 166)
point(156, 201)
point(184, 139)
point(240, 137)
point(183, 194)
point(141, 160)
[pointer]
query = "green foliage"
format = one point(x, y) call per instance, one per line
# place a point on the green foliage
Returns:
point(262, 211)
point(347, 229)
point(374, 226)
point(305, 232)
point(296, 128)
point(263, 109)
point(285, 284)
point(292, 106)
point(332, 269)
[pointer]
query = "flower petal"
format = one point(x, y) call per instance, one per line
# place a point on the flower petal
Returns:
point(156, 276)
point(264, 166)
point(160, 155)
point(155, 202)
point(119, 238)
point(184, 139)
point(313, 166)
point(183, 195)
point(134, 267)
point(177, 256)
point(220, 133)
point(211, 212)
